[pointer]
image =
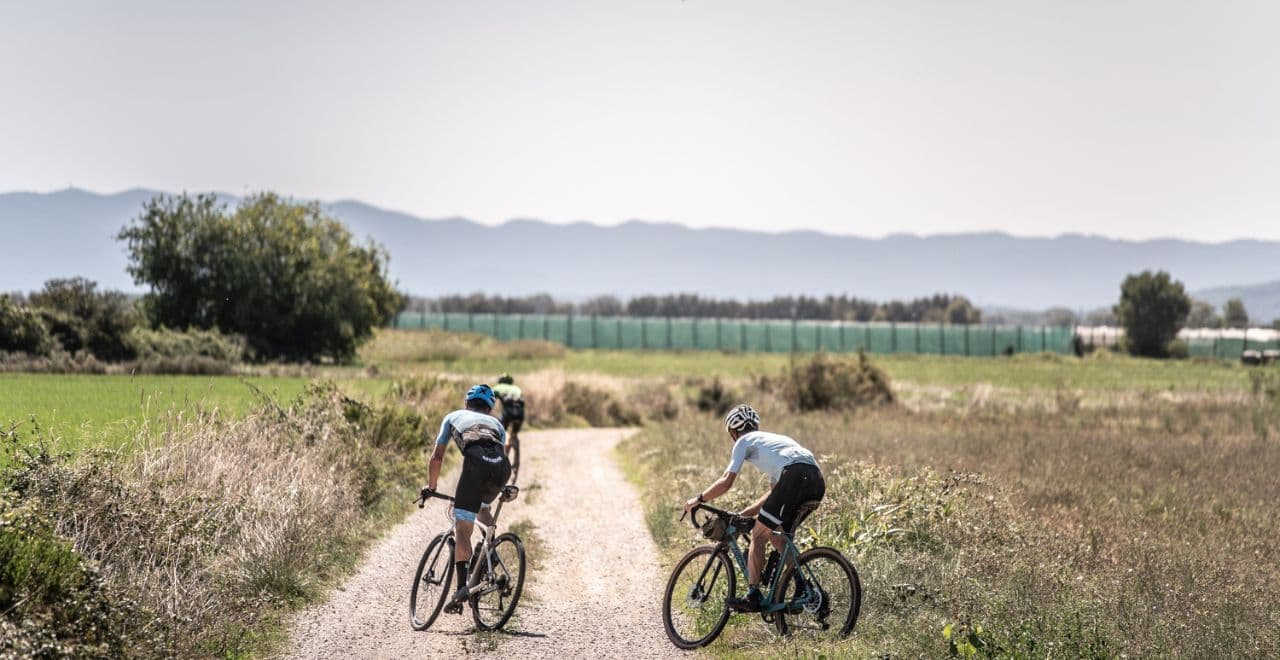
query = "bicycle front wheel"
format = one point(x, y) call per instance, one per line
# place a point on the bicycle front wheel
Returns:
point(497, 595)
point(823, 596)
point(431, 582)
point(695, 607)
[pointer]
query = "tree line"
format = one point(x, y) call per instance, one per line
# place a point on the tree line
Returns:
point(280, 278)
point(938, 308)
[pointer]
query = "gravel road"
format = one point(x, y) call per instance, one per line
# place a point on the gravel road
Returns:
point(596, 595)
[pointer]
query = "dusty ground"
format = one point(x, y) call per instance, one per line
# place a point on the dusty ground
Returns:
point(597, 593)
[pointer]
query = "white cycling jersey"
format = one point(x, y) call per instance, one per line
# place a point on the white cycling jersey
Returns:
point(770, 452)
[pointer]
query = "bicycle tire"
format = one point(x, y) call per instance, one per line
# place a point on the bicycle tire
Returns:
point(508, 593)
point(699, 595)
point(853, 594)
point(441, 547)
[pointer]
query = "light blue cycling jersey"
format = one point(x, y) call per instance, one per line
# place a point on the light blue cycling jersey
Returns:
point(770, 452)
point(457, 423)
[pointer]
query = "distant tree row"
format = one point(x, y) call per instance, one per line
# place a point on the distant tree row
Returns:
point(933, 309)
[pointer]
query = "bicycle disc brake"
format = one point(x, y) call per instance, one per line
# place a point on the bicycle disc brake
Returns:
point(696, 595)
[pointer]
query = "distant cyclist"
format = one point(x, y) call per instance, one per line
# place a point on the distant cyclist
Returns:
point(485, 471)
point(512, 399)
point(794, 477)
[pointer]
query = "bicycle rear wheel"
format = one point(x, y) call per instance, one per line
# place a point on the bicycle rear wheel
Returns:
point(431, 582)
point(515, 457)
point(500, 591)
point(824, 596)
point(695, 606)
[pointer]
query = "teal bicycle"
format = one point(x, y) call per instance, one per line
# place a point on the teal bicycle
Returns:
point(813, 594)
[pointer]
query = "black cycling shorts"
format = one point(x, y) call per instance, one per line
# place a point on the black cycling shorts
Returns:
point(799, 483)
point(513, 415)
point(485, 470)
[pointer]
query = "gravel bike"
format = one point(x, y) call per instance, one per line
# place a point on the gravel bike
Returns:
point(497, 571)
point(814, 594)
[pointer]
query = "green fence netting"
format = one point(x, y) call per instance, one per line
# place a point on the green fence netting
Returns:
point(777, 336)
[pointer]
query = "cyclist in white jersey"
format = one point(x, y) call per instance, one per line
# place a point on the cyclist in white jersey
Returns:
point(794, 477)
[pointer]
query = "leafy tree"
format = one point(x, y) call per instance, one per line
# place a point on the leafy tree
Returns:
point(1203, 315)
point(22, 330)
point(80, 316)
point(288, 278)
point(1153, 306)
point(1234, 314)
point(961, 311)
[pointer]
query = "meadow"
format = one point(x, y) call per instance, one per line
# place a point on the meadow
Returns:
point(1030, 506)
point(1132, 521)
point(74, 411)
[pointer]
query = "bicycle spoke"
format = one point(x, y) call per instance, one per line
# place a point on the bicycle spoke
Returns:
point(823, 596)
point(496, 600)
point(695, 608)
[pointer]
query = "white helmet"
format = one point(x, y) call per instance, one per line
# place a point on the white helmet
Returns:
point(742, 418)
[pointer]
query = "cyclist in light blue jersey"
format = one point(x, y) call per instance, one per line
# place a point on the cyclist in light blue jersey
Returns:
point(485, 470)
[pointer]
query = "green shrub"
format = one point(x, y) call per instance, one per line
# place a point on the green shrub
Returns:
point(715, 398)
point(22, 330)
point(825, 383)
point(165, 343)
point(52, 603)
point(81, 317)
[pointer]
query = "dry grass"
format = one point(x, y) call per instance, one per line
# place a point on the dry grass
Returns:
point(1143, 528)
point(209, 527)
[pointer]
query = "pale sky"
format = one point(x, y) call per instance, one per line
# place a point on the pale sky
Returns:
point(1131, 119)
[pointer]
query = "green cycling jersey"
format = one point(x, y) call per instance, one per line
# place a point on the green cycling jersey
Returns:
point(508, 392)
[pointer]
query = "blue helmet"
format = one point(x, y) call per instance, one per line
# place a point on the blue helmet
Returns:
point(481, 393)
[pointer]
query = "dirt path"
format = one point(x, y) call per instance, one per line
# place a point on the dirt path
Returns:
point(596, 595)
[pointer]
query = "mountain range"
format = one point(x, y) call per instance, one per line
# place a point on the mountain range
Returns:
point(72, 232)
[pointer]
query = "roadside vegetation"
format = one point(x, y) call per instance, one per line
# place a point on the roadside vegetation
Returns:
point(1134, 524)
point(196, 537)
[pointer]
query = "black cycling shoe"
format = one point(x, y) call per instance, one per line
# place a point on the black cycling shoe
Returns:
point(748, 603)
point(454, 606)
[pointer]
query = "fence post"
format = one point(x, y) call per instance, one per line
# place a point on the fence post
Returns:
point(546, 328)
point(866, 337)
point(668, 333)
point(967, 327)
point(1019, 339)
point(942, 337)
point(917, 327)
point(520, 327)
point(1044, 338)
point(644, 333)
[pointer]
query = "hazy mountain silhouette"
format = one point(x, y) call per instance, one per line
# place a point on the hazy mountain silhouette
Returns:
point(1262, 301)
point(71, 232)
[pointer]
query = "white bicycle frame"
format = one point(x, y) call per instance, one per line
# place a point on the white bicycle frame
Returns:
point(486, 543)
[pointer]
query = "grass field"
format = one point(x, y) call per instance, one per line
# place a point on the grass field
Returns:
point(409, 351)
point(106, 410)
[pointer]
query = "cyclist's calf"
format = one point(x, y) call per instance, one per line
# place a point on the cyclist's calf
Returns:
point(755, 555)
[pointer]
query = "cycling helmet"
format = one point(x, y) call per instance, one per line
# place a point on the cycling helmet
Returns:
point(506, 379)
point(480, 393)
point(742, 418)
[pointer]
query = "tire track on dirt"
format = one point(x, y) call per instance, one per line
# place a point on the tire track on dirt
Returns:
point(595, 593)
